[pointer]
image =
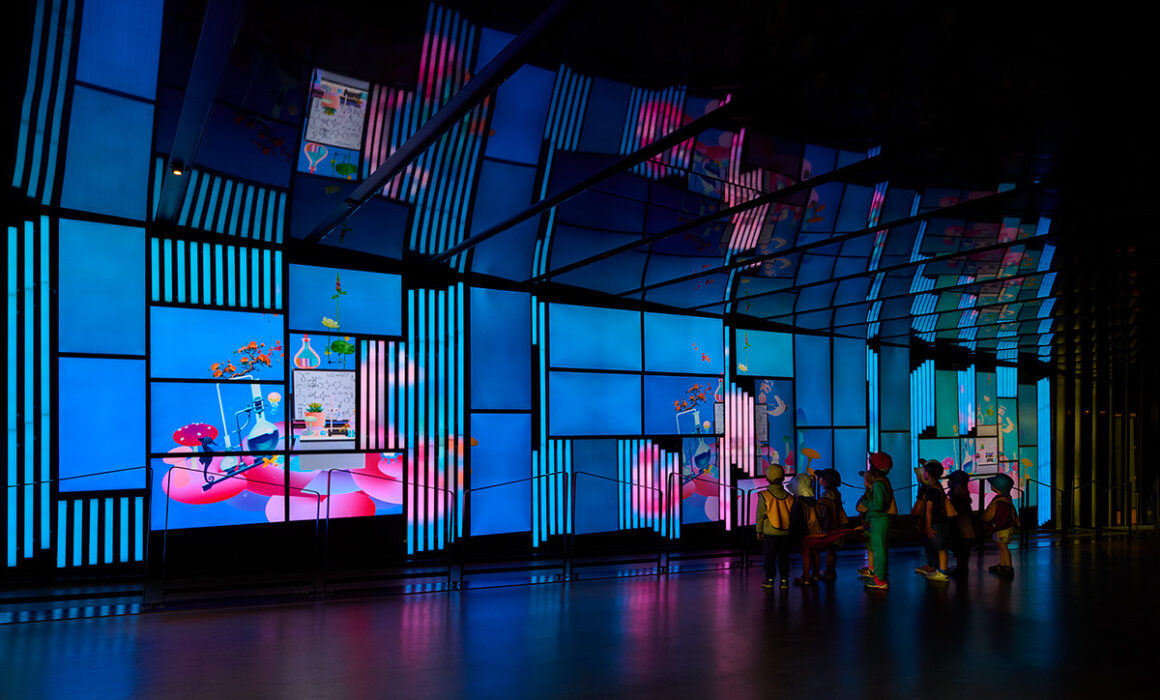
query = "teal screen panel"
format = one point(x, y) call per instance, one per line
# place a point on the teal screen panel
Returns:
point(894, 387)
point(594, 403)
point(946, 408)
point(986, 399)
point(849, 382)
point(101, 288)
point(107, 164)
point(504, 454)
point(597, 500)
point(850, 454)
point(764, 353)
point(1028, 415)
point(501, 349)
point(363, 303)
point(675, 343)
point(120, 42)
point(101, 423)
point(812, 379)
point(593, 338)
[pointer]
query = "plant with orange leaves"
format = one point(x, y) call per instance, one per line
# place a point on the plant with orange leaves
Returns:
point(254, 356)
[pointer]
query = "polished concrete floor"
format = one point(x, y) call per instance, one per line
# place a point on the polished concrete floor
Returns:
point(1079, 620)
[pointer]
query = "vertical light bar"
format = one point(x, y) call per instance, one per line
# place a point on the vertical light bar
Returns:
point(568, 474)
point(364, 408)
point(278, 279)
point(212, 206)
point(219, 281)
point(236, 210)
point(460, 350)
point(231, 276)
point(167, 267)
point(535, 499)
point(441, 405)
point(187, 201)
point(158, 171)
point(124, 550)
point(78, 532)
point(256, 278)
point(544, 418)
point(654, 480)
point(1043, 448)
point(199, 208)
point(245, 223)
point(267, 279)
point(29, 91)
point(139, 529)
point(430, 384)
point(49, 72)
point(619, 485)
point(109, 517)
point(62, 534)
point(386, 392)
point(156, 259)
point(179, 270)
point(29, 385)
point(194, 275)
point(224, 211)
point(409, 421)
point(243, 276)
point(94, 529)
point(281, 217)
point(46, 344)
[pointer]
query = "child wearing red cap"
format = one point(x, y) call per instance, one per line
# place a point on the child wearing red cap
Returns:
point(880, 511)
point(1001, 520)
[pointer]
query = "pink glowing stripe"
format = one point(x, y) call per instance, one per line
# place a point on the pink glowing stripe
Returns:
point(654, 503)
point(363, 400)
point(381, 373)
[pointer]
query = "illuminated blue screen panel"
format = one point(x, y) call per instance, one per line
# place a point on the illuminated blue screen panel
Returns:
point(358, 302)
point(521, 107)
point(504, 189)
point(945, 451)
point(1028, 415)
point(501, 349)
point(897, 445)
point(101, 423)
point(225, 408)
point(764, 353)
point(503, 454)
point(101, 288)
point(593, 338)
point(597, 501)
point(683, 344)
point(120, 41)
point(778, 399)
point(849, 382)
point(107, 164)
point(592, 403)
point(186, 343)
point(813, 441)
point(850, 455)
point(894, 387)
point(946, 408)
point(812, 372)
point(680, 405)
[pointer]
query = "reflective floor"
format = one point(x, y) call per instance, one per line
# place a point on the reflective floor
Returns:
point(1077, 621)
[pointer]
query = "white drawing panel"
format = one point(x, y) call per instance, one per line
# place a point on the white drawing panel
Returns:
point(338, 106)
point(334, 389)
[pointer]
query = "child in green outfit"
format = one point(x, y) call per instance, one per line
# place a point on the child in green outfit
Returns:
point(880, 510)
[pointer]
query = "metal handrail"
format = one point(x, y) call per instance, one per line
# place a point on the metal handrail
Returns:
point(462, 543)
point(674, 521)
point(570, 558)
point(165, 529)
point(449, 525)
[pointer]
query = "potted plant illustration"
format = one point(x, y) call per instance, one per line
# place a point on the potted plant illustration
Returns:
point(315, 418)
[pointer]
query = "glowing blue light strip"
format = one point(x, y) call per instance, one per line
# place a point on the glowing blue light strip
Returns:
point(206, 273)
point(124, 550)
point(61, 534)
point(183, 219)
point(30, 85)
point(430, 384)
point(108, 558)
point(1043, 452)
point(214, 194)
point(200, 207)
point(46, 344)
point(443, 401)
point(194, 275)
point(255, 225)
point(78, 532)
point(158, 171)
point(167, 267)
point(281, 217)
point(255, 279)
point(180, 271)
point(244, 298)
point(225, 208)
point(409, 419)
point(94, 529)
point(58, 105)
point(10, 465)
point(235, 211)
point(278, 279)
point(1007, 379)
point(42, 109)
point(244, 224)
point(268, 272)
point(460, 349)
point(872, 399)
point(219, 281)
point(231, 276)
point(29, 386)
point(269, 228)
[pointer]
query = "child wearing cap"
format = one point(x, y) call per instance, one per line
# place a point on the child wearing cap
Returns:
point(1002, 519)
point(880, 512)
point(933, 512)
point(963, 528)
point(830, 504)
point(810, 525)
point(773, 524)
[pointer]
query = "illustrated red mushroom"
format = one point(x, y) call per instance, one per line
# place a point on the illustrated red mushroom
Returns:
point(195, 434)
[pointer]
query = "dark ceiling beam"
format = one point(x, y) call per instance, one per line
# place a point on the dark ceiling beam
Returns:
point(954, 210)
point(490, 77)
point(767, 198)
point(219, 32)
point(624, 164)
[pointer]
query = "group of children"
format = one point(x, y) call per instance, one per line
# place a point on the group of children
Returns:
point(819, 524)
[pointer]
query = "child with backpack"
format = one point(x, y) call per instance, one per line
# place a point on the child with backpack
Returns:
point(773, 526)
point(934, 512)
point(834, 515)
point(1001, 520)
point(809, 526)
